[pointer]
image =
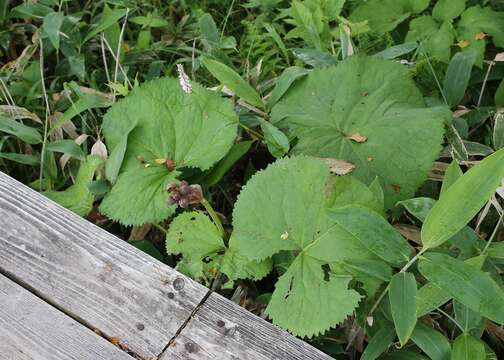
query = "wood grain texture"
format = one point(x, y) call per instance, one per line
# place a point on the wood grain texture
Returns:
point(31, 329)
point(223, 330)
point(90, 274)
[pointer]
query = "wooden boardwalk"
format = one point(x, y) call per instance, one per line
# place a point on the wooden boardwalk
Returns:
point(71, 290)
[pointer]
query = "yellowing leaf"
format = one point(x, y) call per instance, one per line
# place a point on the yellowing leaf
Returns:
point(480, 36)
point(463, 44)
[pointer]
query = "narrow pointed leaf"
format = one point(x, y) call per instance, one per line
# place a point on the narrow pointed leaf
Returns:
point(108, 19)
point(52, 25)
point(457, 77)
point(467, 347)
point(432, 342)
point(373, 231)
point(462, 201)
point(452, 174)
point(25, 133)
point(403, 304)
point(233, 81)
point(465, 283)
point(429, 297)
point(378, 343)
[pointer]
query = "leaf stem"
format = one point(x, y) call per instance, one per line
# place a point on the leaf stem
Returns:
point(160, 228)
point(404, 268)
point(214, 216)
point(253, 132)
point(47, 113)
point(480, 98)
point(434, 74)
point(452, 319)
point(493, 234)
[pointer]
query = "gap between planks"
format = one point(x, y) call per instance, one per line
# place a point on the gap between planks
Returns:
point(100, 333)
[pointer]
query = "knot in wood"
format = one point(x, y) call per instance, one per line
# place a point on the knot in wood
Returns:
point(191, 347)
point(178, 284)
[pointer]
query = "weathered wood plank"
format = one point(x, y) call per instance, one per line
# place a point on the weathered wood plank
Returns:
point(90, 274)
point(32, 329)
point(223, 330)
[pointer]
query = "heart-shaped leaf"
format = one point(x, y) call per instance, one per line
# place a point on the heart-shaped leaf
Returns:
point(377, 100)
point(160, 121)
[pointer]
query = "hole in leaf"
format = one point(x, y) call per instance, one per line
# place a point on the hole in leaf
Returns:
point(290, 289)
point(327, 272)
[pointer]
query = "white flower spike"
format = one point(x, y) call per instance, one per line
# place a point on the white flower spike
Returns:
point(185, 82)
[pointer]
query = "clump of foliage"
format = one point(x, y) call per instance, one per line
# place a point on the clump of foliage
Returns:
point(335, 166)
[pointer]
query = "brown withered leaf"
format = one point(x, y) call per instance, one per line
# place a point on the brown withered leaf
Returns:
point(410, 232)
point(358, 138)
point(65, 157)
point(17, 112)
point(339, 167)
point(437, 171)
point(99, 149)
point(139, 232)
point(499, 57)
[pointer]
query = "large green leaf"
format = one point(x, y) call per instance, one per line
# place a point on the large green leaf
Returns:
point(285, 207)
point(465, 283)
point(402, 294)
point(374, 98)
point(236, 266)
point(139, 196)
point(385, 15)
point(160, 121)
point(78, 197)
point(462, 201)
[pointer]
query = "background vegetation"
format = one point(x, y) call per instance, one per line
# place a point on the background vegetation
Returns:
point(439, 66)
